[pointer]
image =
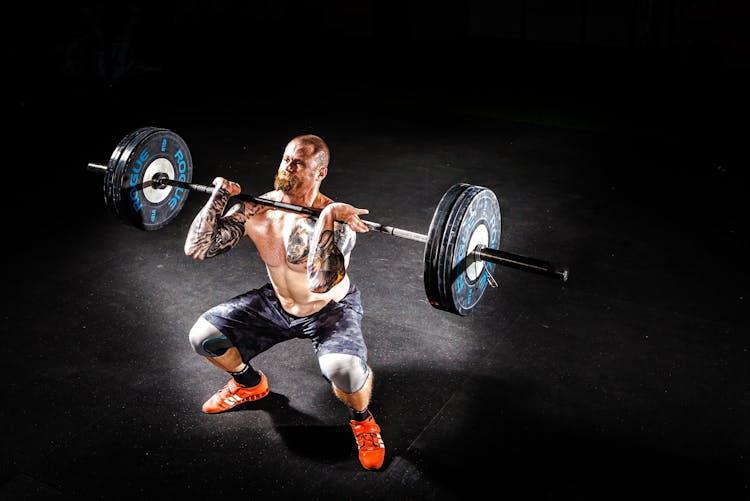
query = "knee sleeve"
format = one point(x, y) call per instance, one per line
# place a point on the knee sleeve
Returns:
point(207, 340)
point(348, 373)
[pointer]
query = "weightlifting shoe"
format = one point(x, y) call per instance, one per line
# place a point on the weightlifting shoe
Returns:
point(369, 442)
point(233, 394)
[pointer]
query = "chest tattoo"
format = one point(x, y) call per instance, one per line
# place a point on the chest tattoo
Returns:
point(297, 247)
point(298, 244)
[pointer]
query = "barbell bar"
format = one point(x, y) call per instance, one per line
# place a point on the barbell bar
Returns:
point(161, 181)
point(148, 178)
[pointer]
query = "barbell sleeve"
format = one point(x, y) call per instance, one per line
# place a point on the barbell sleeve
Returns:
point(98, 168)
point(483, 253)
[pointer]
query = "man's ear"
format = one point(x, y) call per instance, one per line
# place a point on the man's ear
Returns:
point(322, 172)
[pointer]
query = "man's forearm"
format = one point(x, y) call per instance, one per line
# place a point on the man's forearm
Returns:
point(210, 234)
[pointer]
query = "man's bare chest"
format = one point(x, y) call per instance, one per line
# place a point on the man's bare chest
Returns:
point(284, 240)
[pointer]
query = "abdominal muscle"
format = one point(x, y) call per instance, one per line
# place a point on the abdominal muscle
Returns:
point(291, 288)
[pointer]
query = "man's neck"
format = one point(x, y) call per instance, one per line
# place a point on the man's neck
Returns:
point(304, 198)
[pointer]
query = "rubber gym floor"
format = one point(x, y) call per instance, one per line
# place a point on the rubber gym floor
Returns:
point(628, 381)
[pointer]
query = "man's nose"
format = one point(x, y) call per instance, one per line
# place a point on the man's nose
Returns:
point(290, 167)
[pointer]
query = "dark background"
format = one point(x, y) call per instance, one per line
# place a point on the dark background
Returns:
point(614, 134)
point(668, 68)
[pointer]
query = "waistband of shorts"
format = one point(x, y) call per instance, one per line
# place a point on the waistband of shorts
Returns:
point(267, 289)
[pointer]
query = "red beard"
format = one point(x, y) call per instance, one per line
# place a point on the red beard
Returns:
point(285, 182)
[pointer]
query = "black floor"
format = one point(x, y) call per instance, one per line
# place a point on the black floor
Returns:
point(630, 381)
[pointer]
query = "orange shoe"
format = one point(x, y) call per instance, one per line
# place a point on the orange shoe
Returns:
point(234, 394)
point(369, 442)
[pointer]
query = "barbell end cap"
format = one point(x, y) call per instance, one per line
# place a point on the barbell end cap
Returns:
point(564, 274)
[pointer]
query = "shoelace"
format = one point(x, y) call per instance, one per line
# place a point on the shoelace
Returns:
point(226, 391)
point(367, 438)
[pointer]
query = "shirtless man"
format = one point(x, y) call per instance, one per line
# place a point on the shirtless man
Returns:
point(309, 294)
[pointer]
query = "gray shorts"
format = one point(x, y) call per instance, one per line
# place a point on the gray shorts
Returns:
point(255, 321)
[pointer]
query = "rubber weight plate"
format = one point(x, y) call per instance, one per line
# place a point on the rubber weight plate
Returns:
point(434, 242)
point(444, 265)
point(149, 151)
point(474, 219)
point(125, 145)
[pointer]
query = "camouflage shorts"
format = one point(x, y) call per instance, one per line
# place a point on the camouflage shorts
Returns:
point(255, 321)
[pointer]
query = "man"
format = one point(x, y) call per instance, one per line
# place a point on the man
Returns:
point(309, 294)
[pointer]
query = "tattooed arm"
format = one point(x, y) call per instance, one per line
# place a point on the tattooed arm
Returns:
point(211, 233)
point(330, 243)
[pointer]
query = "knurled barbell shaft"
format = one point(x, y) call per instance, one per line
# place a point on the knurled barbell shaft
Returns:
point(480, 253)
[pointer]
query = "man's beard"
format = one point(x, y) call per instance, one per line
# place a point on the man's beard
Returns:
point(285, 182)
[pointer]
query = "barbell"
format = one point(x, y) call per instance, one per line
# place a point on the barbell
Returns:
point(149, 175)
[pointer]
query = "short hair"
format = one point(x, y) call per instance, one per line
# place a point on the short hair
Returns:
point(321, 153)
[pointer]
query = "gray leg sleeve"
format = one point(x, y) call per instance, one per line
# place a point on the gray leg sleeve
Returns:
point(207, 340)
point(348, 373)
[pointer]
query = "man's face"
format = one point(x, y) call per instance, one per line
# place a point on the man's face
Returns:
point(298, 170)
